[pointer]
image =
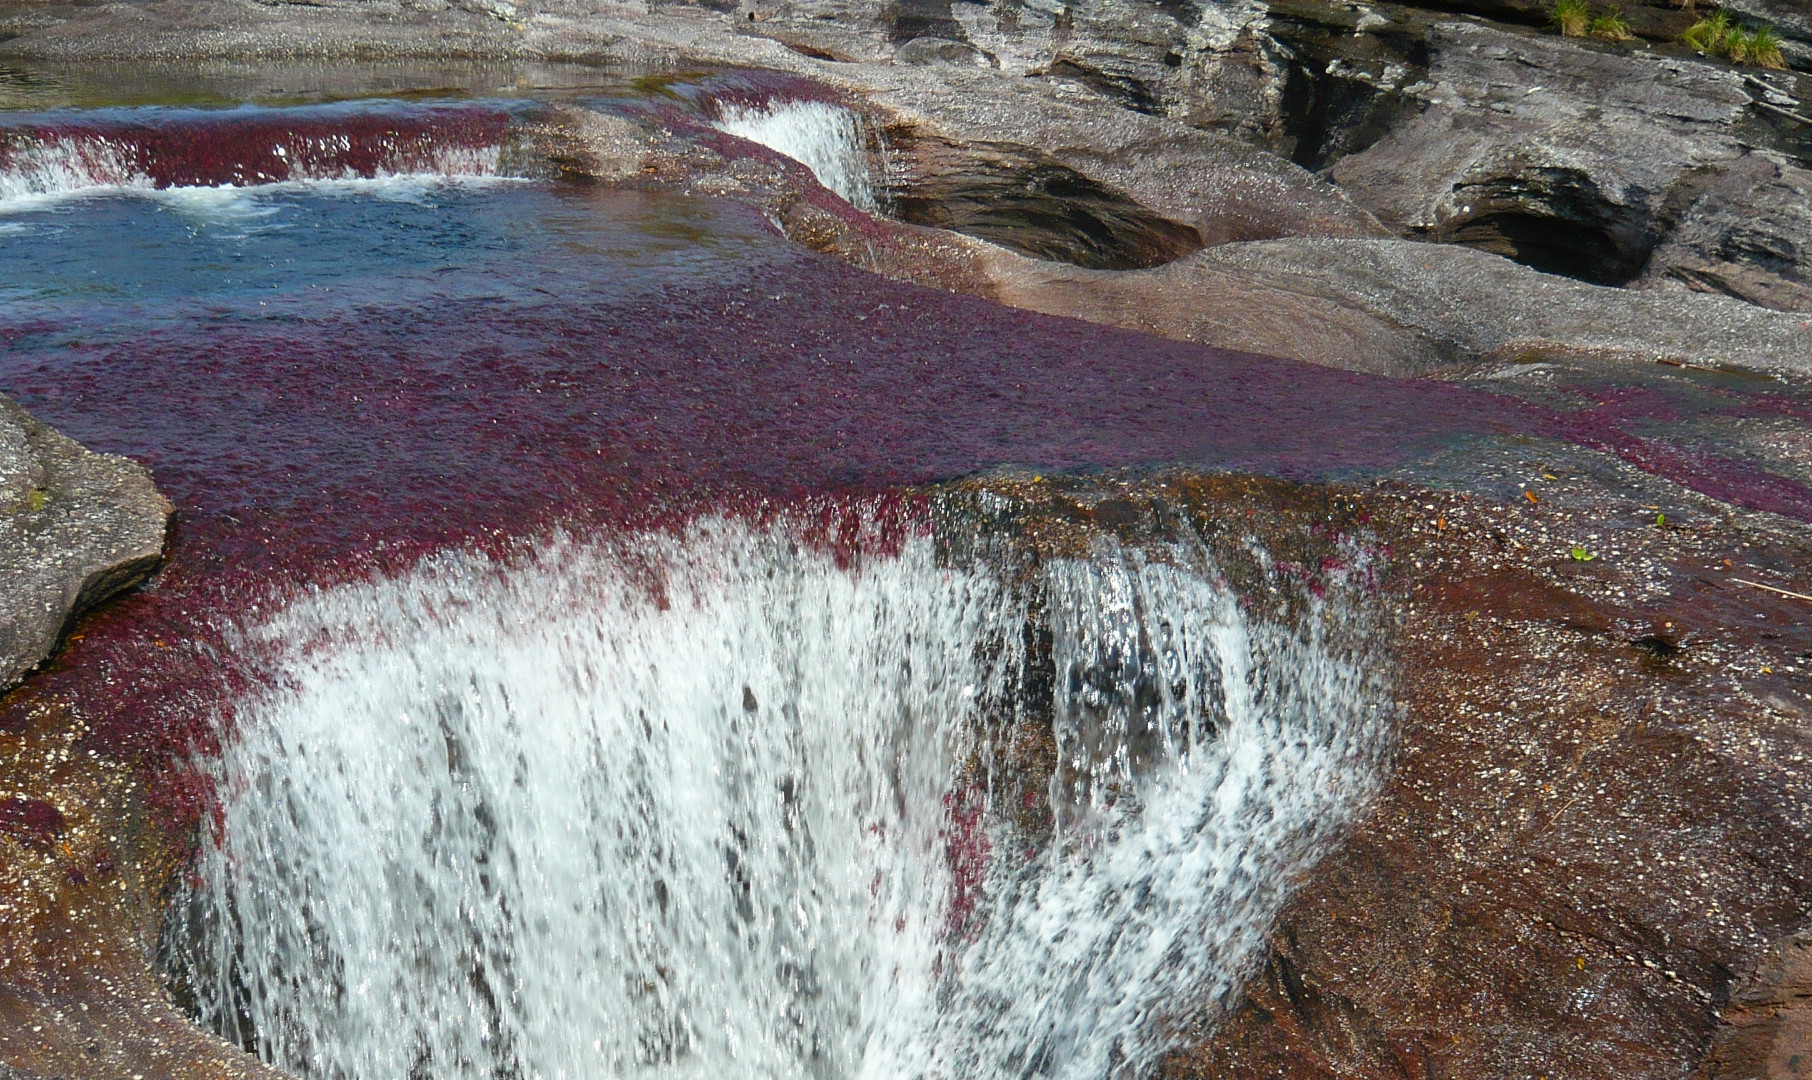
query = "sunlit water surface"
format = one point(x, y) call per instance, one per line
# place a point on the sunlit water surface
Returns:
point(535, 755)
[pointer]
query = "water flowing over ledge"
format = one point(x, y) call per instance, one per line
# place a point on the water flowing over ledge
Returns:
point(827, 139)
point(721, 803)
point(52, 156)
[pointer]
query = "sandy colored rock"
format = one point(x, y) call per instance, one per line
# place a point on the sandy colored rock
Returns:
point(76, 527)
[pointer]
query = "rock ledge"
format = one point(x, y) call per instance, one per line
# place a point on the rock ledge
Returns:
point(76, 527)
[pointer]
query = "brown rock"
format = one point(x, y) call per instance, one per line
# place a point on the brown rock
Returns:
point(1766, 1031)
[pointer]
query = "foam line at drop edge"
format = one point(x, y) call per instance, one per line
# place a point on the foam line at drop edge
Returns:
point(23, 193)
point(49, 158)
point(709, 836)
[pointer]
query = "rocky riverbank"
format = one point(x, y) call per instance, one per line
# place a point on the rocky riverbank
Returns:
point(1632, 164)
point(1591, 859)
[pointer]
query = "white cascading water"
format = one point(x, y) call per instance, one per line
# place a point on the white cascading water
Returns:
point(34, 175)
point(827, 139)
point(682, 806)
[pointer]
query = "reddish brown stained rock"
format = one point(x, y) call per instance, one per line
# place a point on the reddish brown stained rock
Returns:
point(32, 822)
point(1597, 828)
point(1766, 1028)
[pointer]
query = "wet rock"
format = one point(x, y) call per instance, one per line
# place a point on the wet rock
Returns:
point(1590, 833)
point(590, 146)
point(1029, 202)
point(32, 822)
point(1556, 154)
point(1580, 847)
point(76, 527)
point(1743, 231)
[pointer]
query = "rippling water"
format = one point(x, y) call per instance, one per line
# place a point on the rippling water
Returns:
point(543, 741)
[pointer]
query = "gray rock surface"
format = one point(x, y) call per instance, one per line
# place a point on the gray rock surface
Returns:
point(1404, 308)
point(76, 527)
point(1224, 189)
point(1558, 154)
point(1744, 231)
point(1469, 304)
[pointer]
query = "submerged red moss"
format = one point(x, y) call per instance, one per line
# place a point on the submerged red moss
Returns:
point(324, 437)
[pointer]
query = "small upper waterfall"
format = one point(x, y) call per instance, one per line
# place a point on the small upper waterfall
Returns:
point(715, 803)
point(47, 157)
point(827, 139)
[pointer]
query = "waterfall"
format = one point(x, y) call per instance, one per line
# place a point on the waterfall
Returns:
point(826, 139)
point(714, 803)
point(48, 158)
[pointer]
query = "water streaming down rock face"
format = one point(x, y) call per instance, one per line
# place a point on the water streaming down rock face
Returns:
point(47, 157)
point(699, 805)
point(826, 139)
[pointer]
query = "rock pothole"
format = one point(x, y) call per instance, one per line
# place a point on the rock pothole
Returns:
point(1028, 202)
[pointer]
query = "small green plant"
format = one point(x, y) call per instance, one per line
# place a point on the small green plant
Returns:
point(1760, 46)
point(1709, 34)
point(1736, 46)
point(1581, 554)
point(1572, 17)
point(1717, 35)
point(35, 501)
point(1611, 26)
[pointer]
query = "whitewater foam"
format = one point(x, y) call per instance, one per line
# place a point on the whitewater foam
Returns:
point(690, 805)
point(827, 139)
point(43, 174)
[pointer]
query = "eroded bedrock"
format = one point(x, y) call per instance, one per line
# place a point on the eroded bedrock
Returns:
point(78, 528)
point(1472, 122)
point(559, 491)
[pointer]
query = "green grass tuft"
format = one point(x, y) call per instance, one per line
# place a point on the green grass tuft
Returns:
point(1709, 34)
point(1717, 35)
point(1765, 48)
point(1572, 17)
point(1611, 26)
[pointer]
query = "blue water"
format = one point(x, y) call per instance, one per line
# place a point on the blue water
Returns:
point(363, 241)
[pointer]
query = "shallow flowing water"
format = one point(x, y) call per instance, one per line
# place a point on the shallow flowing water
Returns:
point(563, 686)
